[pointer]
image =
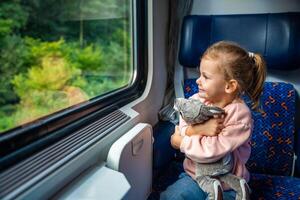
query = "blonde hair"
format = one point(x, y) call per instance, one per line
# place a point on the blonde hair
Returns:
point(248, 69)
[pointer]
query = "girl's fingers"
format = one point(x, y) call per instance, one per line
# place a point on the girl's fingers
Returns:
point(220, 120)
point(220, 128)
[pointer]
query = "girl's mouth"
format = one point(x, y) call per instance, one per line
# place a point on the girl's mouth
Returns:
point(200, 90)
point(202, 93)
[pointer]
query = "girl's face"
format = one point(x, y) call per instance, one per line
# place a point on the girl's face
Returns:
point(211, 82)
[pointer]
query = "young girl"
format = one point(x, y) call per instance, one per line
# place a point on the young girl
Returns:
point(226, 72)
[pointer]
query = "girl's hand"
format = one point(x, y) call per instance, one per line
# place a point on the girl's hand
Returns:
point(176, 138)
point(212, 127)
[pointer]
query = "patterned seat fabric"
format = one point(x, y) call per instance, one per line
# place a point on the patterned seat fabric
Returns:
point(273, 134)
point(270, 187)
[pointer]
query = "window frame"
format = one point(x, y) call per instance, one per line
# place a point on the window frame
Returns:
point(22, 141)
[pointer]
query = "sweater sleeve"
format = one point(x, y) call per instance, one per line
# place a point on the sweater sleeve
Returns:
point(207, 149)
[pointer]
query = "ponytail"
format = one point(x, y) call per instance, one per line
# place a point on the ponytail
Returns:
point(259, 75)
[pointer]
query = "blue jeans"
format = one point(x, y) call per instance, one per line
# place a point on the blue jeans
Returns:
point(185, 188)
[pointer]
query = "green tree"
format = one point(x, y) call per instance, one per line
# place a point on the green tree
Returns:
point(47, 87)
point(12, 53)
point(57, 78)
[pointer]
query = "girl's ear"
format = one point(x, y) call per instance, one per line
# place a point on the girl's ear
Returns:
point(231, 86)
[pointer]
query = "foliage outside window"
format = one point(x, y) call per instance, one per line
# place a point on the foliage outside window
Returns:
point(59, 53)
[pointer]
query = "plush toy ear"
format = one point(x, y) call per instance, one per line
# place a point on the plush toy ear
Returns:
point(231, 86)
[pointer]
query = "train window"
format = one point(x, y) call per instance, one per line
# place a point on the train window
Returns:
point(56, 54)
point(62, 62)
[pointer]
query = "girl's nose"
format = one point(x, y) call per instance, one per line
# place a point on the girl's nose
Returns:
point(198, 81)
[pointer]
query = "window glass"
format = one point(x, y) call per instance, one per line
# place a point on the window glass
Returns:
point(58, 53)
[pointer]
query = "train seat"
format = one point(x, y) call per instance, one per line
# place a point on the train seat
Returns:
point(273, 164)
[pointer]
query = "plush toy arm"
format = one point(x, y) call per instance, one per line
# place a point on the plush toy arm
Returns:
point(210, 111)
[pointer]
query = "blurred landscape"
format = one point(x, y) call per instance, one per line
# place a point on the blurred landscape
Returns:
point(56, 54)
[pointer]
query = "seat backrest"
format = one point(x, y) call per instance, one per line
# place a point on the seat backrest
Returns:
point(275, 36)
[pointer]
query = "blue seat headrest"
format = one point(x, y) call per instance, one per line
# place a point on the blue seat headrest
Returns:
point(275, 36)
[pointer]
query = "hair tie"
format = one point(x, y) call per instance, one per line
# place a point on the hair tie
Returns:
point(251, 54)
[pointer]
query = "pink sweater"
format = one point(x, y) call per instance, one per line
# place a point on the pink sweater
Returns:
point(234, 138)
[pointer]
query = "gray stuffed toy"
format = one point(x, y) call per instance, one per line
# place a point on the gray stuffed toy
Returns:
point(209, 175)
